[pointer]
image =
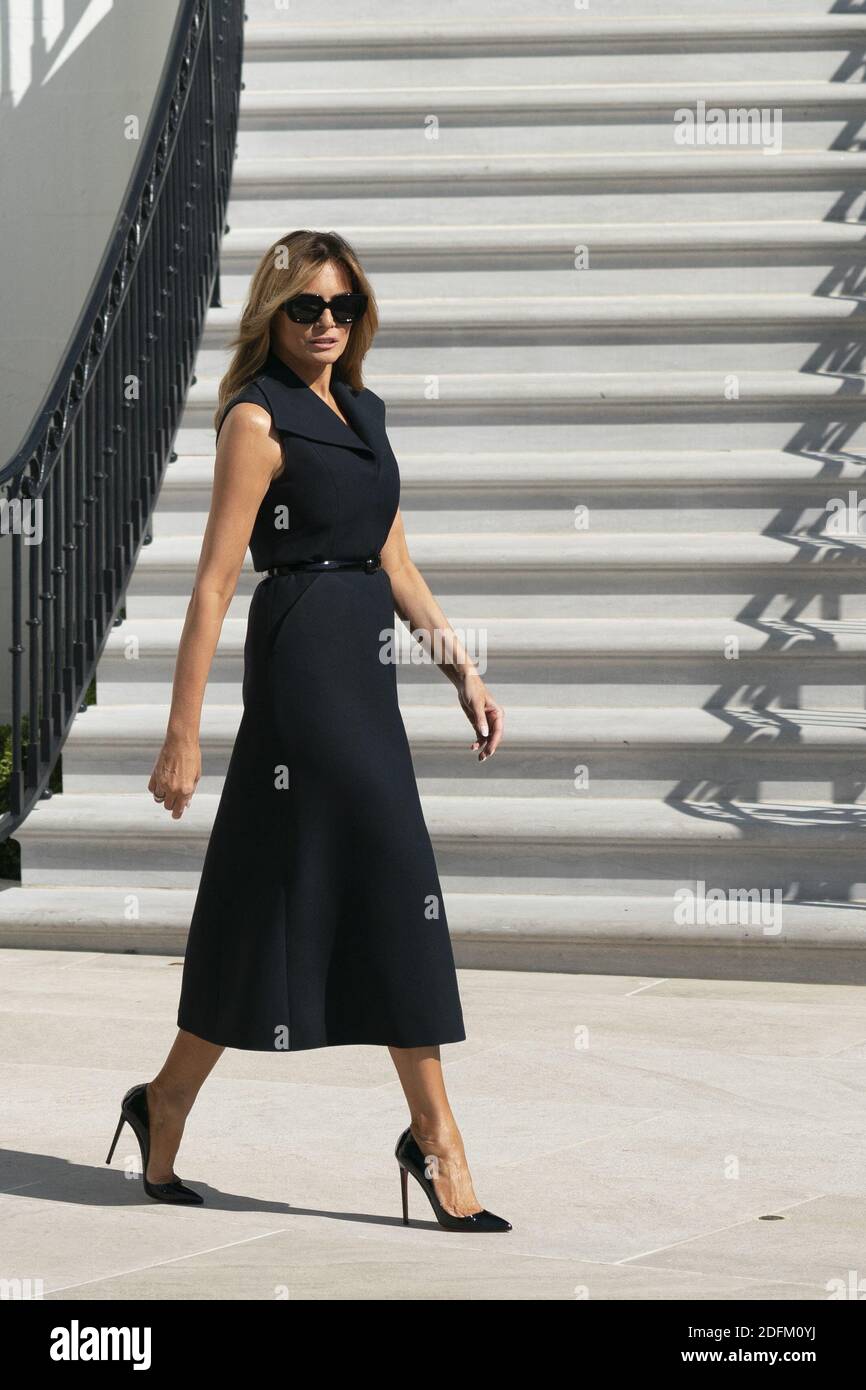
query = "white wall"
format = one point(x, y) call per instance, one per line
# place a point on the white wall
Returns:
point(71, 77)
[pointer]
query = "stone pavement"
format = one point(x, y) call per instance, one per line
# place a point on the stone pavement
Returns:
point(634, 1131)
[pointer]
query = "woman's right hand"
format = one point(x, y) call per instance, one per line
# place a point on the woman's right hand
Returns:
point(176, 774)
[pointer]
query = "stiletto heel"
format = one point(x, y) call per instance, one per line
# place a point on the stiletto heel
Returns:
point(134, 1112)
point(404, 1193)
point(121, 1122)
point(411, 1160)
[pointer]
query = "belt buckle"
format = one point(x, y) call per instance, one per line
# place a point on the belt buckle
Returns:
point(372, 563)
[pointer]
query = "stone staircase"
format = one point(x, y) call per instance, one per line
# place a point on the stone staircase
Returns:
point(624, 384)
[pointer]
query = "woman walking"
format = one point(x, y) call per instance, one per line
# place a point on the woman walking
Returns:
point(319, 919)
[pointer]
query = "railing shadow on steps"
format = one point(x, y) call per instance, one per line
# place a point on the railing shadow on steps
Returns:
point(87, 476)
point(829, 439)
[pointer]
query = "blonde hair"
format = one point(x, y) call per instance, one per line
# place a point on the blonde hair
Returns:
point(283, 271)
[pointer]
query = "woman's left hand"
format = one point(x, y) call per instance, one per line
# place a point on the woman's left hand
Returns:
point(486, 717)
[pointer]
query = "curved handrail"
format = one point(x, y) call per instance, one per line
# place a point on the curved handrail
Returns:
point(80, 491)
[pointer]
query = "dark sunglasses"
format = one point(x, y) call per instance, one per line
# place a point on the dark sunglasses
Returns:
point(306, 308)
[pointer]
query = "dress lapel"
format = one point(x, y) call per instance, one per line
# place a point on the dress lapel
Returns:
point(299, 410)
point(364, 412)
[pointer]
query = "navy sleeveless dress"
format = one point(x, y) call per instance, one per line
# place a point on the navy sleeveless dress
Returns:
point(319, 918)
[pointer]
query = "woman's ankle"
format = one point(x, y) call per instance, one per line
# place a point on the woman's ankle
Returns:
point(169, 1097)
point(433, 1133)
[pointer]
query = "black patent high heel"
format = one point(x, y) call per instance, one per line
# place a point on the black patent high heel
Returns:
point(133, 1111)
point(411, 1160)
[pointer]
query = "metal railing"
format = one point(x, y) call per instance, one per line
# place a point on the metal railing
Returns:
point(88, 475)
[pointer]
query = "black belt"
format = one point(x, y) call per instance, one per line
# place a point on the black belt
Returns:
point(371, 564)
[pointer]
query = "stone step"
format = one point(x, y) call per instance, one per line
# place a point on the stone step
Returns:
point(831, 515)
point(401, 103)
point(367, 174)
point(173, 559)
point(529, 395)
point(644, 846)
point(749, 596)
point(647, 430)
point(725, 358)
point(552, 125)
point(532, 476)
point(701, 656)
point(722, 65)
point(485, 248)
point(672, 662)
point(609, 933)
point(627, 683)
point(784, 134)
point(780, 754)
point(133, 642)
point(447, 320)
point(714, 290)
point(468, 30)
point(671, 203)
point(103, 734)
point(458, 206)
point(665, 293)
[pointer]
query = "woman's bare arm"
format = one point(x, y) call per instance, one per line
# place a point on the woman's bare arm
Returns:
point(247, 457)
point(416, 605)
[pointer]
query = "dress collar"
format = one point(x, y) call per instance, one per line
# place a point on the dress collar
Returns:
point(298, 409)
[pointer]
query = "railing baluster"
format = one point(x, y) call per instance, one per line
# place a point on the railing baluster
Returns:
point(31, 762)
point(16, 784)
point(51, 546)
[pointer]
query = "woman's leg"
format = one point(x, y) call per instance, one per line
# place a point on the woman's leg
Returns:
point(170, 1097)
point(435, 1128)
